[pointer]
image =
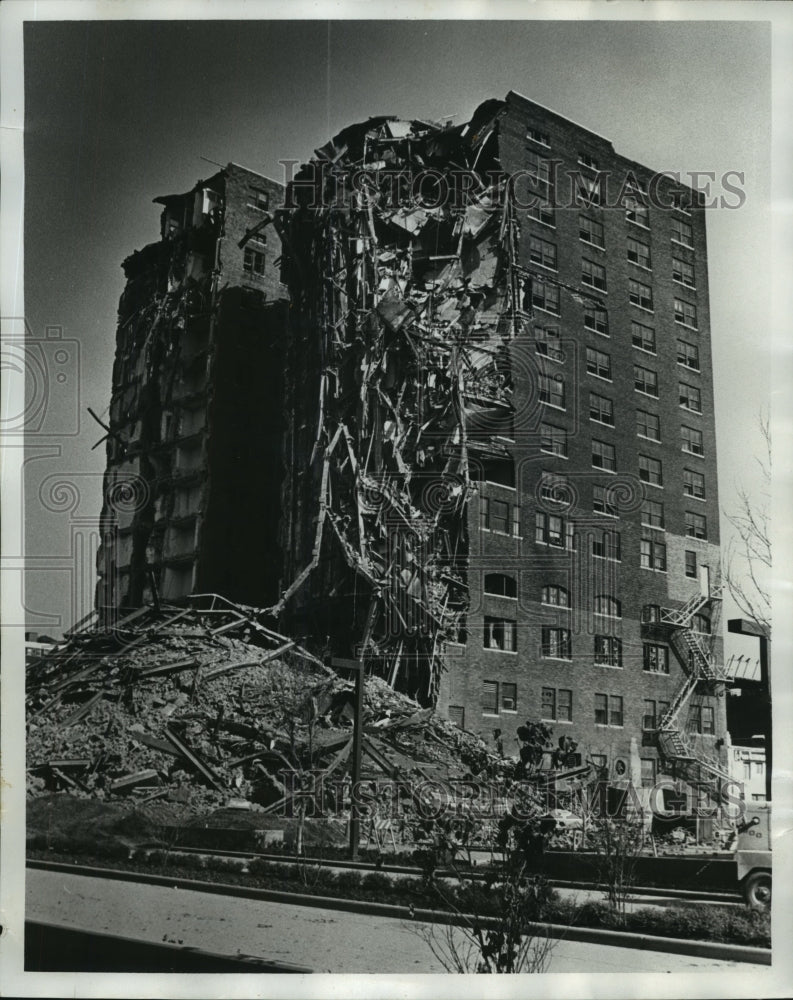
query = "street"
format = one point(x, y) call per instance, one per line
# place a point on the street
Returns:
point(324, 939)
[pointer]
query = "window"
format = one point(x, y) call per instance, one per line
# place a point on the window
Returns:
point(253, 262)
point(509, 697)
point(555, 596)
point(682, 232)
point(593, 275)
point(601, 503)
point(587, 190)
point(547, 342)
point(556, 705)
point(652, 555)
point(542, 212)
point(457, 716)
point(638, 253)
point(601, 410)
point(758, 797)
point(556, 643)
point(690, 397)
point(685, 313)
point(489, 698)
point(539, 137)
point(596, 319)
point(693, 484)
point(650, 470)
point(692, 440)
point(696, 525)
point(606, 545)
point(590, 231)
point(587, 161)
point(542, 171)
point(640, 295)
point(499, 516)
point(636, 212)
point(700, 623)
point(260, 200)
point(701, 719)
point(601, 709)
point(545, 296)
point(603, 456)
point(645, 380)
point(543, 253)
point(683, 272)
point(608, 710)
point(643, 337)
point(651, 614)
point(500, 585)
point(608, 651)
point(550, 529)
point(648, 425)
point(656, 658)
point(599, 760)
point(500, 471)
point(681, 200)
point(648, 771)
point(598, 363)
point(653, 514)
point(553, 440)
point(688, 355)
point(691, 563)
point(555, 488)
point(654, 713)
point(501, 633)
point(551, 390)
point(608, 606)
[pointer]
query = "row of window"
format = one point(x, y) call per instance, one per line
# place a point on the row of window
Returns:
point(542, 294)
point(501, 634)
point(554, 441)
point(556, 705)
point(544, 253)
point(547, 341)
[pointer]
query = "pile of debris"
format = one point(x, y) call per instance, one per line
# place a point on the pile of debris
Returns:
point(202, 705)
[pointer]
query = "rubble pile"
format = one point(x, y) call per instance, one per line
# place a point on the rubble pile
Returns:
point(406, 291)
point(201, 706)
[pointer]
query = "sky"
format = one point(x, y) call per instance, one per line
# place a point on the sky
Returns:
point(117, 113)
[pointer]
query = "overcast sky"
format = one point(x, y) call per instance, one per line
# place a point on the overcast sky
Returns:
point(118, 113)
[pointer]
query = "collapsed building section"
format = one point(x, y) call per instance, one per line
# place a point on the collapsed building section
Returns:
point(195, 419)
point(399, 258)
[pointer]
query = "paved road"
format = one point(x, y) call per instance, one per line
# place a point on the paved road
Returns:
point(325, 940)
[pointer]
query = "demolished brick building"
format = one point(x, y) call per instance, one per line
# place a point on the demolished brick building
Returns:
point(498, 459)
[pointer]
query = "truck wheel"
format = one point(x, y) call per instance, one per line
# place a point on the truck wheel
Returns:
point(757, 890)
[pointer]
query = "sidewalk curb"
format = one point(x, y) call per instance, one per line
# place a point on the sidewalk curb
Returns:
point(592, 935)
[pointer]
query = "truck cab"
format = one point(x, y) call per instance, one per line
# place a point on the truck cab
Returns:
point(753, 856)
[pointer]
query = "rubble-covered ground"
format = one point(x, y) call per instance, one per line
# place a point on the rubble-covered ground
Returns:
point(185, 711)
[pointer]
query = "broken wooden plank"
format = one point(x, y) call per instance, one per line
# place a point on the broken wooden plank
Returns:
point(130, 781)
point(155, 743)
point(248, 663)
point(167, 668)
point(194, 759)
point(83, 710)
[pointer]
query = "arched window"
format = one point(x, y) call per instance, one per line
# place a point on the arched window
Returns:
point(700, 623)
point(607, 605)
point(500, 585)
point(556, 596)
point(651, 614)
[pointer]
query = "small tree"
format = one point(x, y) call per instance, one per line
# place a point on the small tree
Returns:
point(494, 919)
point(747, 559)
point(618, 843)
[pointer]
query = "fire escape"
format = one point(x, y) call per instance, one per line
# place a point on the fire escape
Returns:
point(701, 671)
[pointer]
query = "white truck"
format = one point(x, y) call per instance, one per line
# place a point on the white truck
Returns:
point(753, 856)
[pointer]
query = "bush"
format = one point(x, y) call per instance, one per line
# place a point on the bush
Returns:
point(349, 883)
point(377, 882)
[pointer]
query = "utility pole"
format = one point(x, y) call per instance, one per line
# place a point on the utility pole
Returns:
point(744, 626)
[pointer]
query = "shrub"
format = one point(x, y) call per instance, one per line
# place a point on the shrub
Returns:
point(349, 883)
point(377, 882)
